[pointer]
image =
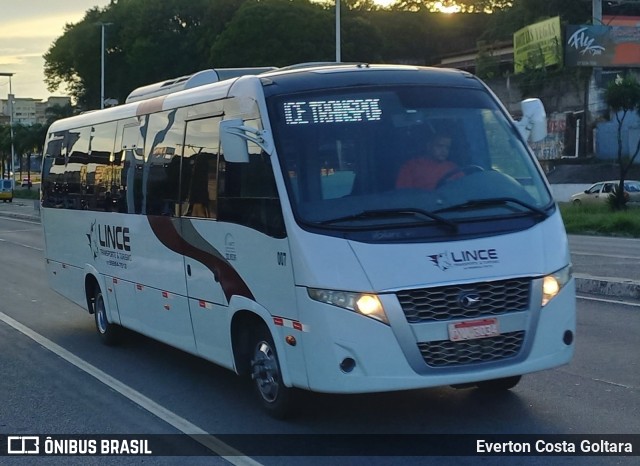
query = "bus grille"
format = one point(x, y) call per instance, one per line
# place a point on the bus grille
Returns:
point(443, 303)
point(447, 353)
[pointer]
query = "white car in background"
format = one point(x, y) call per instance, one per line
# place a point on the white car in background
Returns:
point(600, 192)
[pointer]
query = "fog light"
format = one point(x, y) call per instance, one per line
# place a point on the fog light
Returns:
point(347, 365)
point(567, 338)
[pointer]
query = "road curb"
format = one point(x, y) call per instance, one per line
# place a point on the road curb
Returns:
point(608, 286)
point(20, 215)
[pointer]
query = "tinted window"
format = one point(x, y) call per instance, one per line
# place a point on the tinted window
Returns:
point(199, 168)
point(103, 170)
point(345, 151)
point(247, 192)
point(161, 172)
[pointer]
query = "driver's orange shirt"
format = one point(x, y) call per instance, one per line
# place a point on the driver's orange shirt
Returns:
point(423, 173)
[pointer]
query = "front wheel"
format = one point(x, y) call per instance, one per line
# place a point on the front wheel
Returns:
point(275, 397)
point(109, 333)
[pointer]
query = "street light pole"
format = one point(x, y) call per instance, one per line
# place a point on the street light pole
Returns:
point(102, 47)
point(338, 54)
point(596, 12)
point(10, 102)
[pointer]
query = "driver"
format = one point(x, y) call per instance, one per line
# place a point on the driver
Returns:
point(426, 172)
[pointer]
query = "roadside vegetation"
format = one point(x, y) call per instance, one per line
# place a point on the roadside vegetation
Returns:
point(601, 220)
point(24, 193)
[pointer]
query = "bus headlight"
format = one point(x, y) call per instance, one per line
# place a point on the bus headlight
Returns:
point(553, 283)
point(363, 303)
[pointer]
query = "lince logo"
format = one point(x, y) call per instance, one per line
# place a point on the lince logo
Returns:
point(466, 259)
point(579, 40)
point(112, 242)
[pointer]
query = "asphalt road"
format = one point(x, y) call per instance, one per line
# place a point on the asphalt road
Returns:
point(57, 384)
point(601, 256)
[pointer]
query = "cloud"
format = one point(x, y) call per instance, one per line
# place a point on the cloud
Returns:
point(46, 27)
point(23, 42)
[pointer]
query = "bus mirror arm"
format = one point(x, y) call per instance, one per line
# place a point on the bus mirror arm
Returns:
point(234, 136)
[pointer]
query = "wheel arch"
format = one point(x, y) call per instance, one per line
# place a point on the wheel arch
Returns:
point(92, 283)
point(91, 286)
point(245, 320)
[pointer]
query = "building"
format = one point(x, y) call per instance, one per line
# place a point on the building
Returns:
point(28, 111)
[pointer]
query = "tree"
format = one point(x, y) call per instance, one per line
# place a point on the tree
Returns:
point(276, 33)
point(623, 96)
point(5, 149)
point(58, 112)
point(147, 41)
point(505, 21)
point(461, 6)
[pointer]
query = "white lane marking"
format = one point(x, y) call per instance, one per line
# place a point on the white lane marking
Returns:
point(211, 442)
point(613, 383)
point(611, 301)
point(20, 231)
point(17, 219)
point(2, 240)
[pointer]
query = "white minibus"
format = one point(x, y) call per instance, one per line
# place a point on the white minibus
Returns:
point(278, 225)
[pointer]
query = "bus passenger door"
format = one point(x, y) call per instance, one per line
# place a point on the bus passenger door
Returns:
point(204, 262)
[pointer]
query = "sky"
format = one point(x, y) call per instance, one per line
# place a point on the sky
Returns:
point(27, 30)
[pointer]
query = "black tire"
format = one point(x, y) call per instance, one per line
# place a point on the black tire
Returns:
point(109, 333)
point(277, 399)
point(499, 385)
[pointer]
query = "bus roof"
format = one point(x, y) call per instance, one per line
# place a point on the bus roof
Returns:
point(281, 81)
point(339, 75)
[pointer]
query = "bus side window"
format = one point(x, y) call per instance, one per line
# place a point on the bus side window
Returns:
point(75, 172)
point(161, 174)
point(199, 181)
point(53, 170)
point(101, 190)
point(132, 161)
point(248, 195)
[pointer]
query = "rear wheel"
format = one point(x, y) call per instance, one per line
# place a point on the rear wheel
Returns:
point(499, 385)
point(109, 333)
point(277, 399)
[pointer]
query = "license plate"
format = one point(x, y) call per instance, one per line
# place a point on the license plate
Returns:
point(473, 329)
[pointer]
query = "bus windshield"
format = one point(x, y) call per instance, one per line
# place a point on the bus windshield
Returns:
point(370, 157)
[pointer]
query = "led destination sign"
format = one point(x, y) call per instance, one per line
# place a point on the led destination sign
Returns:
point(332, 111)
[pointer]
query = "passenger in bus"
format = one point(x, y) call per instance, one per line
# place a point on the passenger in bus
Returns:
point(425, 172)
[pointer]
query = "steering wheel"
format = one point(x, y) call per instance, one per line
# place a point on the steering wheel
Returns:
point(465, 170)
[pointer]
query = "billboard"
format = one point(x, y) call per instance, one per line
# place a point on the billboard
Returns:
point(602, 46)
point(537, 45)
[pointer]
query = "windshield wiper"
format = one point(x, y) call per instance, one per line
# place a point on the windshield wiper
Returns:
point(381, 213)
point(493, 202)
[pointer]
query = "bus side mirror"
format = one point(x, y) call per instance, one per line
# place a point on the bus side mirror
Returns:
point(234, 144)
point(234, 135)
point(533, 124)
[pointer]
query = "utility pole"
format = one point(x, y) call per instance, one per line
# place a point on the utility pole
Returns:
point(596, 12)
point(596, 19)
point(338, 53)
point(10, 99)
point(102, 47)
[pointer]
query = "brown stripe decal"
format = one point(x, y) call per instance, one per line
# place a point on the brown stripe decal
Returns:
point(231, 282)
